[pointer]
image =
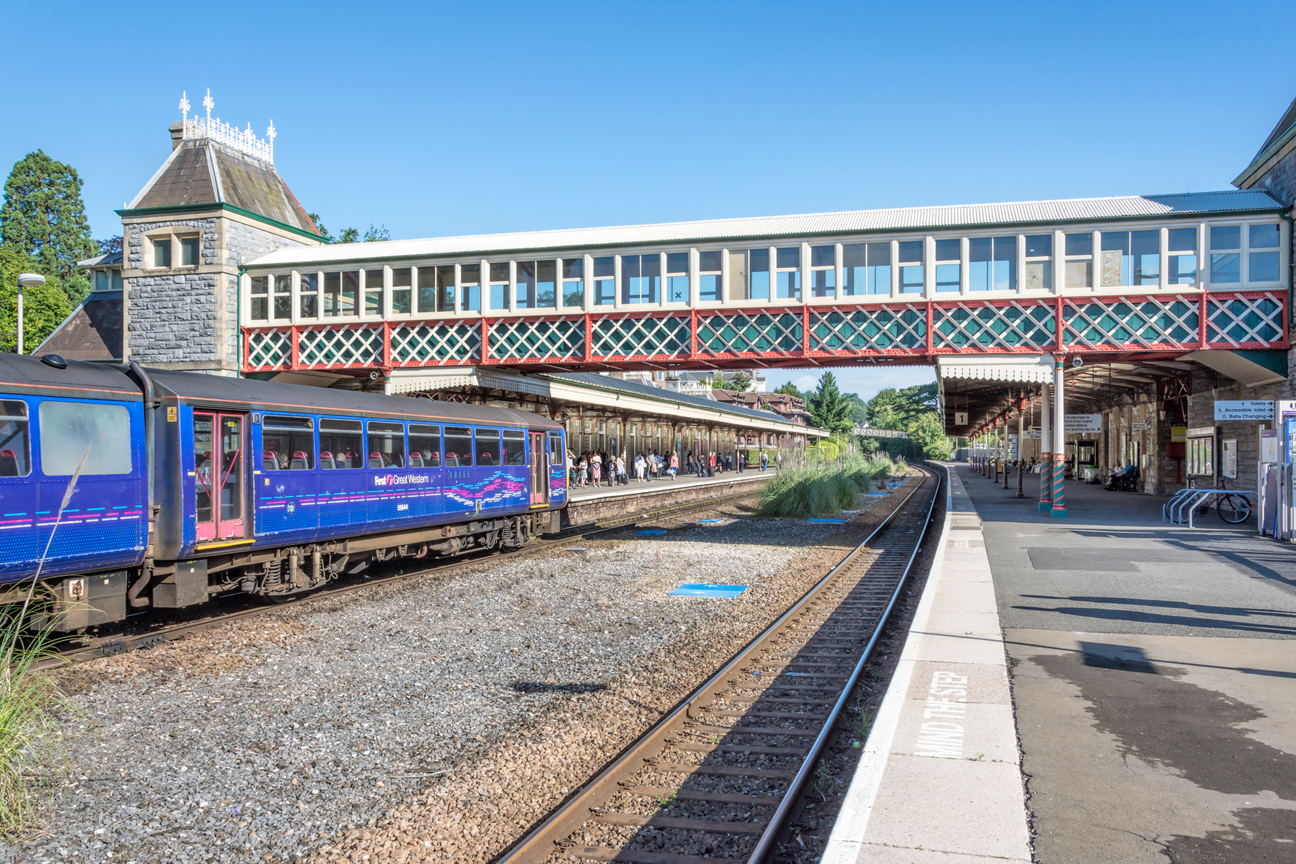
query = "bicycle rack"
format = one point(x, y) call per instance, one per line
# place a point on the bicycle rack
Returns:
point(1191, 499)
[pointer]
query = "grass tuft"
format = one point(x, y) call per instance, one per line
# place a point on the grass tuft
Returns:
point(32, 755)
point(825, 489)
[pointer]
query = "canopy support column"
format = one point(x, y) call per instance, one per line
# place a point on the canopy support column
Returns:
point(1059, 435)
point(1046, 453)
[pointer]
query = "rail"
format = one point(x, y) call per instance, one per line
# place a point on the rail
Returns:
point(875, 577)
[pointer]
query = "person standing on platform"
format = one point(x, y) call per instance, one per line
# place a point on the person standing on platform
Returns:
point(639, 467)
point(778, 461)
point(596, 463)
point(674, 465)
point(740, 461)
point(583, 468)
point(764, 460)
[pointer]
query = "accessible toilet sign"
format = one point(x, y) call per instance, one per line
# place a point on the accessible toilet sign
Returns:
point(1244, 409)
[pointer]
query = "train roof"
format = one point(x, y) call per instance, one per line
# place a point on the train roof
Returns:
point(270, 397)
point(29, 375)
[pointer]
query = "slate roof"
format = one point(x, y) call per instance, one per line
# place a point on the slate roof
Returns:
point(92, 332)
point(202, 171)
point(1281, 135)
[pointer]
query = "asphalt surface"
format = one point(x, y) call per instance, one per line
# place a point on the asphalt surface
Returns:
point(1153, 679)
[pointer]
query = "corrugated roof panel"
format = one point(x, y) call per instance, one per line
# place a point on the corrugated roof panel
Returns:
point(719, 230)
point(635, 387)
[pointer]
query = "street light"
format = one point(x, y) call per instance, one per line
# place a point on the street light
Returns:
point(25, 280)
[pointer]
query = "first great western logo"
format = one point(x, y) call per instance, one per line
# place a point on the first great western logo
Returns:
point(400, 479)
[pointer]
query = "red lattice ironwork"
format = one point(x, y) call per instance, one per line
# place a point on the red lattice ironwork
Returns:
point(832, 335)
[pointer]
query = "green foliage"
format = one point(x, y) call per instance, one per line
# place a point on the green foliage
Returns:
point(859, 409)
point(791, 389)
point(827, 489)
point(350, 235)
point(44, 306)
point(829, 409)
point(43, 217)
point(740, 383)
point(915, 410)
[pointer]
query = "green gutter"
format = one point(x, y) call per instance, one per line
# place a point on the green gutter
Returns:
point(214, 205)
point(747, 238)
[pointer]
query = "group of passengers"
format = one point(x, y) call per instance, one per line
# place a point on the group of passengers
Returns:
point(597, 468)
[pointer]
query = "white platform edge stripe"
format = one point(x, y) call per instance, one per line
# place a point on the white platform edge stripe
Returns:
point(848, 833)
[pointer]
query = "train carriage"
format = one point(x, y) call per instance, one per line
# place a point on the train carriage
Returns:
point(263, 488)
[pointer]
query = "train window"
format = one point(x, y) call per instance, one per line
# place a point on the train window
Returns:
point(514, 447)
point(488, 447)
point(15, 439)
point(341, 443)
point(556, 454)
point(386, 445)
point(458, 447)
point(70, 430)
point(425, 446)
point(287, 443)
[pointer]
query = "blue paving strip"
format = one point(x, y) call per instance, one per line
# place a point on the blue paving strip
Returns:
point(709, 521)
point(878, 494)
point(652, 531)
point(703, 590)
point(827, 521)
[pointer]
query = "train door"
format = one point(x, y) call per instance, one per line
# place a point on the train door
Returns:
point(539, 470)
point(219, 448)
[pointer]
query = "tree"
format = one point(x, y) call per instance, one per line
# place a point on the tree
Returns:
point(829, 409)
point(790, 389)
point(43, 218)
point(859, 409)
point(913, 410)
point(110, 245)
point(44, 306)
point(350, 235)
point(740, 383)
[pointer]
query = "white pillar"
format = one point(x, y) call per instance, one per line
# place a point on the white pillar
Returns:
point(1059, 448)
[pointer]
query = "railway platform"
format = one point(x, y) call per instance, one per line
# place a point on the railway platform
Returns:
point(1151, 674)
point(591, 504)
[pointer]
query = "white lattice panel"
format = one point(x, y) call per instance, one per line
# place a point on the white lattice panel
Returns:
point(267, 349)
point(436, 344)
point(728, 333)
point(332, 347)
point(1011, 326)
point(530, 339)
point(647, 336)
point(867, 330)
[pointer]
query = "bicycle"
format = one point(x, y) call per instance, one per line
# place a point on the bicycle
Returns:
point(1231, 508)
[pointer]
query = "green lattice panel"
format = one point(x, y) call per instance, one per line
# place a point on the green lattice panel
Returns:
point(868, 330)
point(994, 327)
point(269, 349)
point(537, 340)
point(1116, 323)
point(436, 343)
point(343, 346)
point(1241, 320)
point(641, 337)
point(749, 333)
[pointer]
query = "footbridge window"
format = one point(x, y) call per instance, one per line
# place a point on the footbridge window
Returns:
point(949, 266)
point(868, 268)
point(823, 271)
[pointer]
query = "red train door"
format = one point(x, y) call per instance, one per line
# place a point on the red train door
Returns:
point(219, 445)
point(539, 470)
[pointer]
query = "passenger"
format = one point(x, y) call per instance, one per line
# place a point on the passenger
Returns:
point(583, 469)
point(596, 467)
point(1113, 482)
point(778, 461)
point(764, 460)
point(674, 465)
point(639, 466)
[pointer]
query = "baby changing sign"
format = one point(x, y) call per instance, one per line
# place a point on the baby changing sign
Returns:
point(1244, 409)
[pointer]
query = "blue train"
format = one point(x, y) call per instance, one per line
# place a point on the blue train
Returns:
point(192, 485)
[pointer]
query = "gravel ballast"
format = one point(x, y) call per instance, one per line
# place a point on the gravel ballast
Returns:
point(434, 719)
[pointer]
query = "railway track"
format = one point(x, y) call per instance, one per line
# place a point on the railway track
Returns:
point(145, 636)
point(716, 779)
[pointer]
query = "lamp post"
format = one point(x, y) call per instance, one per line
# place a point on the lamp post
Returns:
point(25, 280)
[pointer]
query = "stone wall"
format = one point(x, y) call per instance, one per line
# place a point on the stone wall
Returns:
point(245, 243)
point(173, 319)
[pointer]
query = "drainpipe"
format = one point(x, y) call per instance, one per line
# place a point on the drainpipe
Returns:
point(1291, 261)
point(238, 319)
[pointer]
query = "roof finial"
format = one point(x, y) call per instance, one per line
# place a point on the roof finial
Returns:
point(184, 106)
point(270, 136)
point(208, 103)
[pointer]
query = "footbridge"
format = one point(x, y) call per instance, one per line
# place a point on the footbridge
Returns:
point(1105, 278)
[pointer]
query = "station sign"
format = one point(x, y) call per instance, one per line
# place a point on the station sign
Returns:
point(1139, 426)
point(1244, 409)
point(1083, 424)
point(960, 418)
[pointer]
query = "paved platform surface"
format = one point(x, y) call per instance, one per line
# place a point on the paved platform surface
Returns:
point(1153, 683)
point(683, 480)
point(1154, 678)
point(939, 779)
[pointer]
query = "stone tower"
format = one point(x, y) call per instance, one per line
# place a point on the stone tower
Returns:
point(215, 202)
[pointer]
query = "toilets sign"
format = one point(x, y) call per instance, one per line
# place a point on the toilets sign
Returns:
point(1245, 409)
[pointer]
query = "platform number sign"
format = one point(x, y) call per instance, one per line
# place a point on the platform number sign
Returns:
point(960, 418)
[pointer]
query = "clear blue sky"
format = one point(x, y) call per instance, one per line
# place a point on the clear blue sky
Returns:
point(463, 118)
